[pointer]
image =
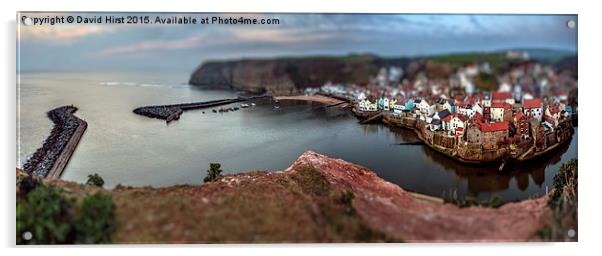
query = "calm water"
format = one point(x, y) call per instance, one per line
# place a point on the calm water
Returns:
point(134, 150)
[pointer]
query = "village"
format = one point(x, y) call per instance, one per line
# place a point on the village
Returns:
point(528, 115)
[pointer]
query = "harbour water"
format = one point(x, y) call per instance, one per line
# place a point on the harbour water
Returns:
point(129, 149)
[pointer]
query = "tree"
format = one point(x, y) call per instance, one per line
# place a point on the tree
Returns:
point(213, 173)
point(95, 221)
point(95, 180)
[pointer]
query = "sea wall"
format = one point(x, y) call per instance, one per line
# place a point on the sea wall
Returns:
point(51, 159)
point(173, 112)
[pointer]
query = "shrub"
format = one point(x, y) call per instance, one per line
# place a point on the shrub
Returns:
point(495, 202)
point(44, 212)
point(95, 220)
point(563, 203)
point(213, 173)
point(25, 184)
point(95, 180)
point(564, 184)
point(51, 218)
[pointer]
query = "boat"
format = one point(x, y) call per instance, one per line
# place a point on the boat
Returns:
point(253, 104)
point(244, 105)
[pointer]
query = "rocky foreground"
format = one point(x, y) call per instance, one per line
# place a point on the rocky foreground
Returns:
point(317, 199)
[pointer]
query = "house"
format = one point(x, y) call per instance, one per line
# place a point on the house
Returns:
point(533, 109)
point(367, 105)
point(409, 106)
point(521, 122)
point(553, 115)
point(399, 105)
point(363, 104)
point(435, 124)
point(454, 124)
point(425, 109)
point(458, 124)
point(392, 104)
point(385, 105)
point(500, 112)
point(417, 104)
point(442, 114)
point(502, 97)
point(381, 102)
point(440, 102)
point(464, 109)
point(449, 105)
point(493, 134)
point(473, 133)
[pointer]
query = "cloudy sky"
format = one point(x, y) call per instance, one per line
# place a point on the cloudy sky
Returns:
point(184, 47)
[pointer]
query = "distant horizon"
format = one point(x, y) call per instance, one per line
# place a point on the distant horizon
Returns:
point(567, 51)
point(103, 47)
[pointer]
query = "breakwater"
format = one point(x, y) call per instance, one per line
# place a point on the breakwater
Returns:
point(51, 159)
point(173, 112)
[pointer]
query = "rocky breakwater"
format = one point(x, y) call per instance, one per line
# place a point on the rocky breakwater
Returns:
point(173, 112)
point(286, 76)
point(50, 159)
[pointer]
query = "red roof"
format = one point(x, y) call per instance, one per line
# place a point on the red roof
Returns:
point(461, 117)
point(501, 95)
point(505, 106)
point(493, 127)
point(477, 116)
point(447, 118)
point(518, 115)
point(534, 103)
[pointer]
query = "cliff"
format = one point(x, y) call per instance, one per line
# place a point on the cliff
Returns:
point(289, 75)
point(317, 199)
point(284, 76)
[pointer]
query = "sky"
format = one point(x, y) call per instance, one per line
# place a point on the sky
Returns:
point(112, 47)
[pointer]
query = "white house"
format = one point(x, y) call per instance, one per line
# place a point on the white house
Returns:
point(454, 124)
point(366, 105)
point(464, 109)
point(449, 105)
point(499, 110)
point(533, 108)
point(426, 110)
point(399, 106)
point(457, 124)
point(386, 104)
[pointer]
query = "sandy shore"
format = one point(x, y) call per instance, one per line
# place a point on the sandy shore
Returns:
point(316, 98)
